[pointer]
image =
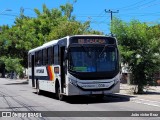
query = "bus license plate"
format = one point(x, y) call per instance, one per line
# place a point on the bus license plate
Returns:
point(96, 92)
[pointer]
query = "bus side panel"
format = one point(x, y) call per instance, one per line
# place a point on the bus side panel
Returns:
point(47, 76)
point(47, 85)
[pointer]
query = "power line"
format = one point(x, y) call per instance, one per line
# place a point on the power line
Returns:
point(151, 5)
point(141, 5)
point(139, 14)
point(96, 22)
point(132, 4)
point(98, 16)
point(9, 15)
point(90, 16)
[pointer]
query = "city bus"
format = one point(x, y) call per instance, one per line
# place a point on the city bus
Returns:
point(76, 65)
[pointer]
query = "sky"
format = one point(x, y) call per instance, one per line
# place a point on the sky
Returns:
point(94, 10)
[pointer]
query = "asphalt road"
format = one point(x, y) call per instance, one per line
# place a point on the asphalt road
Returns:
point(17, 96)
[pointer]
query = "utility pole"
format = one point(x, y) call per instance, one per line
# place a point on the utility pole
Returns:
point(111, 12)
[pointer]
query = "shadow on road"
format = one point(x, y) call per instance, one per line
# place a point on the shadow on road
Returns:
point(151, 93)
point(17, 83)
point(90, 99)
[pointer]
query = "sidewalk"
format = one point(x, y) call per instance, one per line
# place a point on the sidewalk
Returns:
point(18, 81)
point(152, 93)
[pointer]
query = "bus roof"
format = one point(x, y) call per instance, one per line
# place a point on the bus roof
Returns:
point(53, 42)
point(50, 43)
point(35, 49)
point(44, 45)
point(87, 35)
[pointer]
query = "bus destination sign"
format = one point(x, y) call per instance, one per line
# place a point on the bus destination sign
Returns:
point(92, 41)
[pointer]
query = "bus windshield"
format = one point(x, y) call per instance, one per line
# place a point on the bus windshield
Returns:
point(93, 58)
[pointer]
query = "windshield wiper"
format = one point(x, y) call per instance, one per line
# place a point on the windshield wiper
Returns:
point(104, 48)
point(86, 51)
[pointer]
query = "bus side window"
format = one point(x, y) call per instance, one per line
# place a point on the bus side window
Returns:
point(56, 55)
point(44, 52)
point(50, 55)
point(38, 58)
point(53, 55)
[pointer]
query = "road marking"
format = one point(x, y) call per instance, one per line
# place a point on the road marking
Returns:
point(146, 102)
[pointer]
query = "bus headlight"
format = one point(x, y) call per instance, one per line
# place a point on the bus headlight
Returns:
point(73, 82)
point(116, 80)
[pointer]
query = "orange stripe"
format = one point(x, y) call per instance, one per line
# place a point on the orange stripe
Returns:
point(50, 71)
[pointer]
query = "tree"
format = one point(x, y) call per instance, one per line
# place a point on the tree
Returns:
point(28, 33)
point(139, 46)
point(67, 9)
point(2, 68)
point(12, 65)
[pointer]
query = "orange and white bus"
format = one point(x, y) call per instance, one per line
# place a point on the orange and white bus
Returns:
point(76, 65)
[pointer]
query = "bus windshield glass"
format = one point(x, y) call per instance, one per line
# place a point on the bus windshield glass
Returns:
point(93, 58)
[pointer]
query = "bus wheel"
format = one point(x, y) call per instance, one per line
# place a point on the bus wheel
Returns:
point(59, 95)
point(37, 88)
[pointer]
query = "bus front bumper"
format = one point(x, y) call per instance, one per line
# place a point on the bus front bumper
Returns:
point(75, 90)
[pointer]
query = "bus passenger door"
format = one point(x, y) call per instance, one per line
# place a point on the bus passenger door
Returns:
point(62, 60)
point(32, 71)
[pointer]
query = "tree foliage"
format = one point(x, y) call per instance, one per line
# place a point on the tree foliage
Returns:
point(12, 64)
point(49, 24)
point(140, 49)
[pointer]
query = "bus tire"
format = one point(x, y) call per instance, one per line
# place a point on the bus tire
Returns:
point(37, 88)
point(59, 96)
